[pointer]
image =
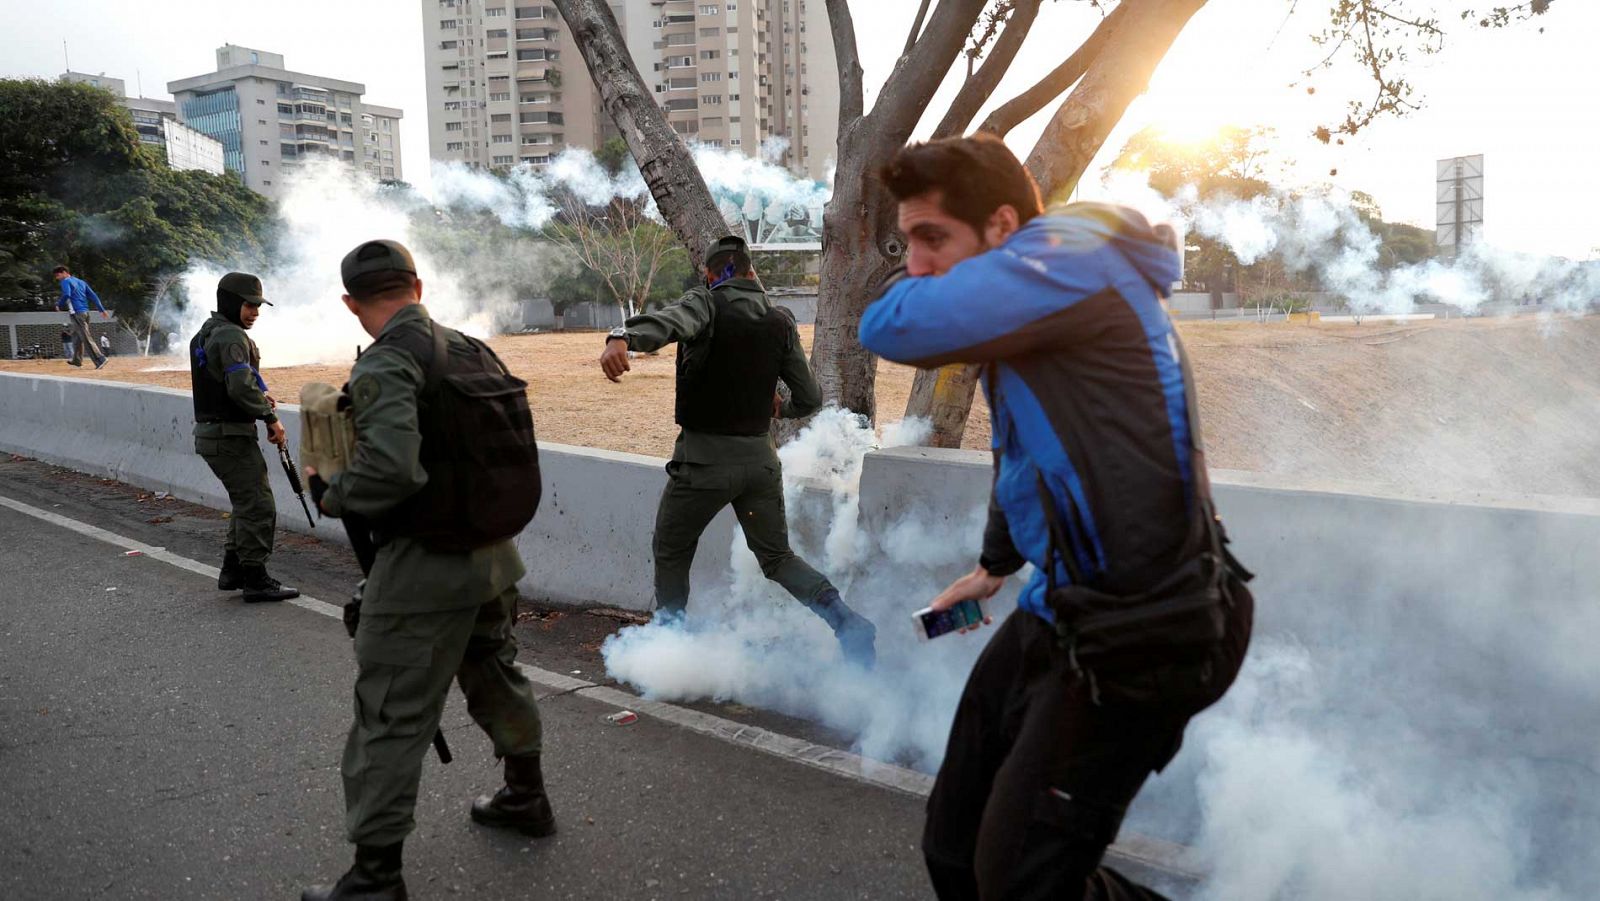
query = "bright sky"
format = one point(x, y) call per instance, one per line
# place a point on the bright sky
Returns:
point(1523, 99)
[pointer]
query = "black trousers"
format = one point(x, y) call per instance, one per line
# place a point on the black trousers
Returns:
point(1036, 777)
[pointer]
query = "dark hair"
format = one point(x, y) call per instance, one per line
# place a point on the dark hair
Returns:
point(974, 177)
point(385, 285)
point(60, 269)
point(719, 261)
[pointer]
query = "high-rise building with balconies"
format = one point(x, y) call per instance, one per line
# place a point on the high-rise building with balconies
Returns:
point(506, 83)
point(271, 120)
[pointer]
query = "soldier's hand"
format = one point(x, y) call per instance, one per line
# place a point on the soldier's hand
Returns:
point(105, 315)
point(614, 361)
point(272, 402)
point(777, 405)
point(275, 433)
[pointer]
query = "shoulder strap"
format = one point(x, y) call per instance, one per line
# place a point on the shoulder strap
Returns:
point(440, 361)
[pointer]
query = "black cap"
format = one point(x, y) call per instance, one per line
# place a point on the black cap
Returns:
point(729, 244)
point(244, 286)
point(374, 259)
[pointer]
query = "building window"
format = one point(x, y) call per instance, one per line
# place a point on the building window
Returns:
point(500, 95)
point(499, 54)
point(447, 24)
point(261, 102)
point(495, 33)
point(503, 160)
point(388, 172)
point(263, 142)
point(267, 181)
point(709, 10)
point(448, 45)
point(500, 117)
point(710, 32)
point(710, 76)
point(453, 145)
point(712, 99)
point(501, 139)
point(733, 98)
point(452, 126)
point(735, 142)
point(710, 54)
point(495, 13)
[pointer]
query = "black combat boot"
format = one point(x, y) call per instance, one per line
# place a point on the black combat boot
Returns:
point(375, 876)
point(232, 576)
point(857, 636)
point(259, 587)
point(522, 804)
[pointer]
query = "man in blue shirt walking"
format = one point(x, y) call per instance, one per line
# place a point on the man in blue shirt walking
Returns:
point(75, 297)
point(1136, 617)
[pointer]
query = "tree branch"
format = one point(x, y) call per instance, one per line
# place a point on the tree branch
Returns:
point(679, 190)
point(980, 86)
point(843, 26)
point(1024, 105)
point(918, 74)
point(916, 26)
point(1120, 72)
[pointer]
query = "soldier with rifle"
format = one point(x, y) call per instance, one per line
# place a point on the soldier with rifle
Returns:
point(445, 473)
point(229, 396)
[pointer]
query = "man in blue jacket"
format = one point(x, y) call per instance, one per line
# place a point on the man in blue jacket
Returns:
point(75, 297)
point(1087, 393)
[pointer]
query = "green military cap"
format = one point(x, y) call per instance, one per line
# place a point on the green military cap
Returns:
point(369, 263)
point(729, 244)
point(244, 286)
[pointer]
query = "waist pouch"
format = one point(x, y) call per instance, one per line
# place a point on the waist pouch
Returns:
point(1162, 646)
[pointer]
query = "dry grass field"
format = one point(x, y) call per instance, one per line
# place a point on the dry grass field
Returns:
point(1507, 405)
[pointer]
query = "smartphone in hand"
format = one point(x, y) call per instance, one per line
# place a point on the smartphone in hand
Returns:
point(932, 623)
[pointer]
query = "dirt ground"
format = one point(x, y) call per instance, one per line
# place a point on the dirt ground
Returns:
point(1504, 405)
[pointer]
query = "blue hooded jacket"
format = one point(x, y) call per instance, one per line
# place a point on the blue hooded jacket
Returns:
point(75, 296)
point(1085, 388)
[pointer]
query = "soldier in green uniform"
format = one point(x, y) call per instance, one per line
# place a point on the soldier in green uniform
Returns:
point(441, 596)
point(229, 396)
point(734, 347)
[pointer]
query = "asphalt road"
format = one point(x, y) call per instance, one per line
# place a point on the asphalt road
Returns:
point(160, 739)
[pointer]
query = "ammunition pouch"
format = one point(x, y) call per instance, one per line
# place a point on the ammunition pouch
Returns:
point(327, 429)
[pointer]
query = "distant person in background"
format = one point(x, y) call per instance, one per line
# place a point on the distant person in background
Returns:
point(105, 346)
point(66, 344)
point(75, 297)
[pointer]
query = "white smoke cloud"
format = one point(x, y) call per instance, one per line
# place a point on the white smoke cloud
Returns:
point(749, 641)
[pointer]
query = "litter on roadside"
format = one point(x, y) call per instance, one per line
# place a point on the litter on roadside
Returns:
point(133, 553)
point(623, 718)
point(112, 588)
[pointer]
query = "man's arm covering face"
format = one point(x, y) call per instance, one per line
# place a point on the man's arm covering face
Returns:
point(387, 466)
point(679, 321)
point(805, 395)
point(1023, 296)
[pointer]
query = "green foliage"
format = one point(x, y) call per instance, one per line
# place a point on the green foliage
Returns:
point(77, 188)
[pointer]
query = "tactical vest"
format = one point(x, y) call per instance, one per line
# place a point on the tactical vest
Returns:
point(728, 389)
point(478, 446)
point(211, 400)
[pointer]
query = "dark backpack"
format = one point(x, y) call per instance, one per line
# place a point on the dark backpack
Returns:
point(1162, 646)
point(478, 447)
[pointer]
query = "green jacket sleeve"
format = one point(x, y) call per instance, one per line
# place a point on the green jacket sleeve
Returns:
point(680, 321)
point(228, 358)
point(387, 467)
point(805, 395)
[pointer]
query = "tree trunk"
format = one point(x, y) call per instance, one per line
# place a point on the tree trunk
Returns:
point(944, 396)
point(668, 168)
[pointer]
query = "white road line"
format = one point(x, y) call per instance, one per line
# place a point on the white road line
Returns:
point(1167, 856)
point(841, 763)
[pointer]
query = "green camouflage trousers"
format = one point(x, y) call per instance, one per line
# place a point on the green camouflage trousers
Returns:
point(695, 494)
point(404, 664)
point(237, 461)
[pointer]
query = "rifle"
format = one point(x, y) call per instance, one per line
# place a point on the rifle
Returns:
point(366, 550)
point(293, 473)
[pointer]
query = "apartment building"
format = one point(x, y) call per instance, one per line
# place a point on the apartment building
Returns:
point(157, 123)
point(380, 141)
point(272, 120)
point(507, 85)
